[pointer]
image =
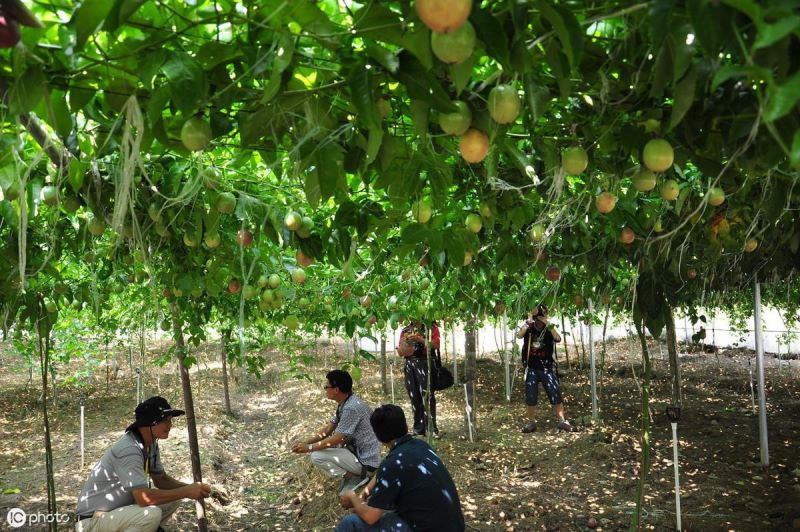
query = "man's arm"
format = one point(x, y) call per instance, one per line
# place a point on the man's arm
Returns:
point(303, 445)
point(366, 512)
point(165, 482)
point(524, 329)
point(556, 336)
point(337, 439)
point(153, 497)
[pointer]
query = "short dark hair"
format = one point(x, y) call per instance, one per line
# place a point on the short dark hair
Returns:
point(541, 310)
point(389, 423)
point(340, 379)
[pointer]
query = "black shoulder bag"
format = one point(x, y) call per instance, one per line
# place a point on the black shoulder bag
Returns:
point(442, 377)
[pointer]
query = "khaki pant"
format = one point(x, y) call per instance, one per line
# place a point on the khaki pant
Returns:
point(336, 461)
point(133, 518)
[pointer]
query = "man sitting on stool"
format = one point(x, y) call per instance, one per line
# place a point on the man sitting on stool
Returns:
point(117, 496)
point(346, 447)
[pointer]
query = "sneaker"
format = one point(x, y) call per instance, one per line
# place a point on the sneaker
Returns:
point(565, 426)
point(529, 427)
point(420, 433)
point(437, 435)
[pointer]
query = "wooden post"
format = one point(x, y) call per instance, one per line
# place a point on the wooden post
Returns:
point(188, 406)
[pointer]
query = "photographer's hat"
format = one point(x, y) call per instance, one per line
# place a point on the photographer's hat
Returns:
point(152, 411)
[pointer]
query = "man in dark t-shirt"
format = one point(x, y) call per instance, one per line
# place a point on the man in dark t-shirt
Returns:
point(538, 346)
point(412, 489)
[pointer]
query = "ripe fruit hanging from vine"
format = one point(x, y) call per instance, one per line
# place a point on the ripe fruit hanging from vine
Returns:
point(553, 273)
point(504, 104)
point(658, 155)
point(474, 146)
point(605, 202)
point(456, 46)
point(474, 223)
point(457, 122)
point(670, 190)
point(574, 160)
point(443, 15)
point(716, 196)
point(644, 180)
point(196, 134)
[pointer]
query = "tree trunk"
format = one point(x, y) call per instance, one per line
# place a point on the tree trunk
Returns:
point(470, 370)
point(224, 341)
point(645, 436)
point(384, 384)
point(44, 364)
point(674, 362)
point(188, 405)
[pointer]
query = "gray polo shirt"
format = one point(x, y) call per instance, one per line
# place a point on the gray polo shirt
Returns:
point(120, 470)
point(352, 419)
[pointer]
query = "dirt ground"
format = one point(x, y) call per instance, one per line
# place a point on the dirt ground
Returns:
point(507, 480)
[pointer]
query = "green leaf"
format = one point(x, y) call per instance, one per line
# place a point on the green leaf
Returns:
point(683, 98)
point(454, 246)
point(312, 19)
point(461, 73)
point(215, 53)
point(662, 70)
point(538, 96)
point(418, 43)
point(684, 193)
point(26, 91)
point(312, 189)
point(711, 23)
point(329, 169)
point(794, 158)
point(414, 234)
point(373, 144)
point(748, 7)
point(682, 54)
point(489, 30)
point(567, 28)
point(385, 57)
point(559, 65)
point(10, 491)
point(420, 110)
point(421, 84)
point(769, 34)
point(782, 99)
point(187, 81)
point(358, 81)
point(88, 18)
point(60, 118)
point(659, 15)
point(737, 71)
point(77, 172)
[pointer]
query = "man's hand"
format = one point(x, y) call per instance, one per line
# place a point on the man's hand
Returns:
point(347, 499)
point(300, 447)
point(197, 491)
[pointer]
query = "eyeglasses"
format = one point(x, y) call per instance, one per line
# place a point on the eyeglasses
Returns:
point(329, 386)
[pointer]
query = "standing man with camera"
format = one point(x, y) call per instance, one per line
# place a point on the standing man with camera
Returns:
point(538, 347)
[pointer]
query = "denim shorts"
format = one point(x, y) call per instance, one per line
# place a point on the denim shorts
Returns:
point(548, 378)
